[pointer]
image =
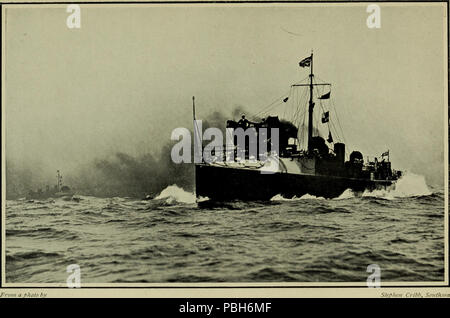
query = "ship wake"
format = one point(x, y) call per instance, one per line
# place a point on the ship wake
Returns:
point(409, 185)
point(279, 197)
point(176, 195)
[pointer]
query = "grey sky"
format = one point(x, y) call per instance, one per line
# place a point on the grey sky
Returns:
point(125, 79)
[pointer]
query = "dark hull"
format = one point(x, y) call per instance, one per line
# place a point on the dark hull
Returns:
point(49, 195)
point(222, 184)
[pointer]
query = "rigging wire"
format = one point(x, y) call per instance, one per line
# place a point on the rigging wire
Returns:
point(298, 109)
point(336, 113)
point(278, 101)
point(321, 105)
point(266, 108)
point(299, 112)
point(339, 122)
point(338, 135)
point(303, 130)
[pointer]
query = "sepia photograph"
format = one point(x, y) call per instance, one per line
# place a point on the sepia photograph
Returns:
point(225, 144)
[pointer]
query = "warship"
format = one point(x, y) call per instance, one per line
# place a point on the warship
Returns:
point(59, 190)
point(306, 162)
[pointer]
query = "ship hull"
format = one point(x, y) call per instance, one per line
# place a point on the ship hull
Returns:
point(53, 195)
point(223, 184)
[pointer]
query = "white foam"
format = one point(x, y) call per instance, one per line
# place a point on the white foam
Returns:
point(202, 199)
point(381, 193)
point(409, 185)
point(173, 193)
point(310, 197)
point(279, 197)
point(347, 194)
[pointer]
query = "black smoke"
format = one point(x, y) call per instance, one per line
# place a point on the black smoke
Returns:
point(132, 176)
point(123, 174)
point(138, 176)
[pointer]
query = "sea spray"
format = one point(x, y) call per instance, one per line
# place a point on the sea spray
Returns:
point(347, 194)
point(307, 196)
point(279, 197)
point(173, 193)
point(412, 185)
point(409, 185)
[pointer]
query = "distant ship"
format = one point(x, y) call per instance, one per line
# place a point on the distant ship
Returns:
point(319, 169)
point(59, 190)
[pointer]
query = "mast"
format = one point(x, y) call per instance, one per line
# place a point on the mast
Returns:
point(195, 130)
point(311, 107)
point(193, 107)
point(193, 115)
point(58, 180)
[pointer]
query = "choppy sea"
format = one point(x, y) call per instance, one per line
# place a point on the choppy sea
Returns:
point(172, 238)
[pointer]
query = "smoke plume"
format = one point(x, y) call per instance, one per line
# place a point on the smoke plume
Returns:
point(120, 174)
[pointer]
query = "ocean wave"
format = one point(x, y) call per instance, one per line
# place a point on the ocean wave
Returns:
point(190, 278)
point(409, 185)
point(307, 196)
point(33, 208)
point(347, 194)
point(234, 205)
point(43, 232)
point(270, 274)
point(304, 239)
point(174, 194)
point(402, 240)
point(30, 255)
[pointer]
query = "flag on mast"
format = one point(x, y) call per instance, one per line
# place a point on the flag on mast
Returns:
point(385, 154)
point(325, 96)
point(306, 62)
point(330, 138)
point(325, 117)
